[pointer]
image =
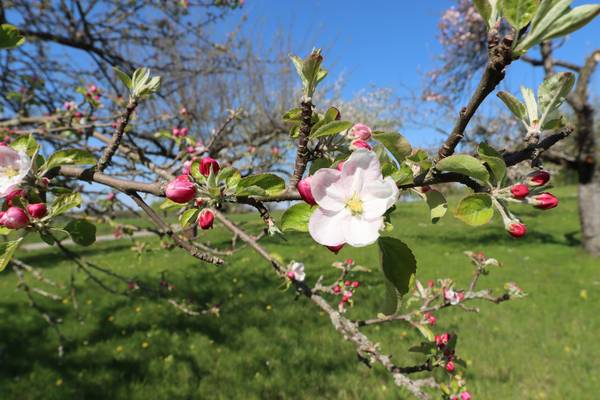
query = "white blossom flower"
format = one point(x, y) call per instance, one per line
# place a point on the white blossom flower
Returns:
point(296, 271)
point(351, 201)
point(14, 166)
point(453, 297)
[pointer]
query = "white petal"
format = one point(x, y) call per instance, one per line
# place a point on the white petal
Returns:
point(327, 194)
point(364, 160)
point(378, 196)
point(361, 232)
point(327, 227)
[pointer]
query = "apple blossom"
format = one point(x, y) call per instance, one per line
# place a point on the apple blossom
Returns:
point(361, 131)
point(465, 396)
point(180, 190)
point(37, 210)
point(538, 178)
point(305, 192)
point(14, 166)
point(208, 163)
point(442, 340)
point(296, 272)
point(14, 218)
point(351, 202)
point(519, 191)
point(453, 297)
point(516, 229)
point(545, 201)
point(206, 219)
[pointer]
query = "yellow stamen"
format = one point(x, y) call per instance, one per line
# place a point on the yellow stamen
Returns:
point(355, 205)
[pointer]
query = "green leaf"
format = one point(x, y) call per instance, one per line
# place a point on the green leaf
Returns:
point(10, 37)
point(403, 176)
point(399, 266)
point(464, 164)
point(7, 251)
point(437, 205)
point(331, 128)
point(519, 12)
point(331, 114)
point(260, 184)
point(123, 77)
point(547, 12)
point(82, 232)
point(494, 160)
point(425, 331)
point(514, 105)
point(532, 108)
point(572, 20)
point(170, 204)
point(475, 209)
point(47, 238)
point(296, 217)
point(293, 116)
point(26, 144)
point(230, 175)
point(64, 203)
point(188, 217)
point(395, 143)
point(195, 171)
point(69, 157)
point(553, 92)
point(488, 9)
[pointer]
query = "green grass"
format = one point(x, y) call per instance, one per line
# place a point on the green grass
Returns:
point(269, 345)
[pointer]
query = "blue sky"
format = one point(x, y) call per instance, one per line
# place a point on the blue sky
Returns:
point(388, 43)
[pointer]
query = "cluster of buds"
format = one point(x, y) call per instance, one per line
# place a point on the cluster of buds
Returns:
point(453, 297)
point(429, 318)
point(93, 93)
point(198, 148)
point(360, 135)
point(16, 217)
point(180, 132)
point(346, 290)
point(531, 191)
point(183, 189)
point(443, 344)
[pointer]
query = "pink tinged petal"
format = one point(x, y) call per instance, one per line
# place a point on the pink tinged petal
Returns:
point(378, 197)
point(328, 195)
point(327, 227)
point(360, 232)
point(365, 160)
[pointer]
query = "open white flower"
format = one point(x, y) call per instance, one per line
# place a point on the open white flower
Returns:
point(351, 201)
point(14, 166)
point(296, 271)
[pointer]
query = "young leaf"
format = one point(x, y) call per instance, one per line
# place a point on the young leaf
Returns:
point(552, 93)
point(7, 251)
point(572, 20)
point(260, 184)
point(25, 143)
point(10, 37)
point(532, 109)
point(475, 209)
point(82, 232)
point(464, 164)
point(514, 105)
point(437, 205)
point(494, 160)
point(399, 266)
point(64, 203)
point(547, 12)
point(188, 217)
point(123, 77)
point(330, 128)
point(69, 157)
point(519, 12)
point(296, 217)
point(395, 143)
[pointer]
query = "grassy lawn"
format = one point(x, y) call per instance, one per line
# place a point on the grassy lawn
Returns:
point(269, 345)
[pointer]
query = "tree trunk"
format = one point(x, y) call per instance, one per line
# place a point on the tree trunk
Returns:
point(589, 214)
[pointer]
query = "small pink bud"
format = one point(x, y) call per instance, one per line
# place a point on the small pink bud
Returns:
point(18, 193)
point(450, 366)
point(347, 283)
point(208, 163)
point(361, 131)
point(111, 196)
point(539, 178)
point(349, 261)
point(431, 319)
point(465, 396)
point(519, 191)
point(175, 132)
point(305, 191)
point(190, 149)
point(186, 168)
point(340, 165)
point(336, 249)
point(337, 289)
point(430, 283)
point(517, 229)
point(346, 297)
point(442, 340)
point(180, 190)
point(14, 218)
point(545, 201)
point(198, 202)
point(38, 210)
point(360, 144)
point(183, 132)
point(206, 219)
point(291, 275)
point(355, 284)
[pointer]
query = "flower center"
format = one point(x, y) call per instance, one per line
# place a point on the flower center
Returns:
point(355, 205)
point(9, 172)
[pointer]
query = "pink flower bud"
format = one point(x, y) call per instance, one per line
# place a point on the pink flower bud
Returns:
point(347, 283)
point(183, 132)
point(516, 229)
point(291, 275)
point(545, 201)
point(208, 163)
point(349, 261)
point(465, 396)
point(450, 366)
point(336, 249)
point(186, 168)
point(14, 218)
point(18, 193)
point(442, 340)
point(337, 289)
point(346, 297)
point(519, 191)
point(539, 178)
point(361, 131)
point(431, 319)
point(180, 190)
point(111, 196)
point(175, 132)
point(340, 165)
point(430, 283)
point(360, 144)
point(305, 191)
point(38, 210)
point(355, 284)
point(190, 149)
point(206, 219)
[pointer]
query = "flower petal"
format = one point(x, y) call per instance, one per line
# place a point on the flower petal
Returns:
point(327, 227)
point(364, 160)
point(360, 232)
point(327, 194)
point(378, 196)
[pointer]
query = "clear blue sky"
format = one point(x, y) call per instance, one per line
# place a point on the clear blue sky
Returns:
point(388, 43)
